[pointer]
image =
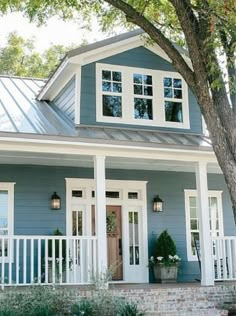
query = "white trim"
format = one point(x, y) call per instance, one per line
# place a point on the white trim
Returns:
point(9, 187)
point(187, 195)
point(77, 96)
point(126, 204)
point(128, 97)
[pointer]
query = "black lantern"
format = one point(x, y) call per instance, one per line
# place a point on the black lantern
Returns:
point(55, 202)
point(157, 204)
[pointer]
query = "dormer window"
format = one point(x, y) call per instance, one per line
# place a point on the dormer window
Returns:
point(142, 85)
point(140, 96)
point(173, 99)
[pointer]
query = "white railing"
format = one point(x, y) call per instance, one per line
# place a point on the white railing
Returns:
point(224, 254)
point(26, 260)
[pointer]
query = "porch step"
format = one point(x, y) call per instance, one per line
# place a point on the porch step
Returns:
point(203, 312)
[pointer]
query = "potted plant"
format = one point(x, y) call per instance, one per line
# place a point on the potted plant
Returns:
point(165, 261)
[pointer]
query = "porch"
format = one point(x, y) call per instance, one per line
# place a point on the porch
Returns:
point(72, 260)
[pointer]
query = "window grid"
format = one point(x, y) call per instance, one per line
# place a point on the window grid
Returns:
point(173, 99)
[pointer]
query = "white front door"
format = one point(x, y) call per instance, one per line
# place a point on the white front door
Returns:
point(129, 197)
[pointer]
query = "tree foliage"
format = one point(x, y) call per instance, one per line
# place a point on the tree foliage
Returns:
point(19, 58)
point(207, 28)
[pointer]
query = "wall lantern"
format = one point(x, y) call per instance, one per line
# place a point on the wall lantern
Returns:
point(157, 204)
point(55, 202)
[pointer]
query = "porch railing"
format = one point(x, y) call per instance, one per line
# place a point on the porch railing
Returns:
point(26, 260)
point(224, 254)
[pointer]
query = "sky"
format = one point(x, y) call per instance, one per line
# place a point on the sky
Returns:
point(56, 31)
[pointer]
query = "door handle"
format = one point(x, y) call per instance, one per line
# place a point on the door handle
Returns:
point(120, 247)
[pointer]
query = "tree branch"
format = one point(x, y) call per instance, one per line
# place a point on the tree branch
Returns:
point(156, 35)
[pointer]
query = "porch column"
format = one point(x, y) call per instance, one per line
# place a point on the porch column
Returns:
point(100, 209)
point(207, 277)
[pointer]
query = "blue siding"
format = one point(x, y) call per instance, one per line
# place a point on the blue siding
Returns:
point(138, 57)
point(65, 100)
point(35, 184)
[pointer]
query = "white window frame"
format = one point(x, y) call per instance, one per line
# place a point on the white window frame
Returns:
point(193, 193)
point(9, 187)
point(127, 97)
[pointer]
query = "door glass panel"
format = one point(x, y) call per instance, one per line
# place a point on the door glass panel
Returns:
point(77, 223)
point(134, 238)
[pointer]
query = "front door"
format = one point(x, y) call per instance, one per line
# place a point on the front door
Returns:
point(114, 240)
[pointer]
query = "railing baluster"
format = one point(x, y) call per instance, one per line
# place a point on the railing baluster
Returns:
point(81, 256)
point(39, 260)
point(10, 260)
point(218, 259)
point(53, 262)
point(228, 260)
point(24, 260)
point(60, 261)
point(46, 261)
point(17, 260)
point(67, 261)
point(75, 263)
point(32, 260)
point(3, 263)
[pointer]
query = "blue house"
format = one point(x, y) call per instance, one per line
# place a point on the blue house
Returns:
point(84, 154)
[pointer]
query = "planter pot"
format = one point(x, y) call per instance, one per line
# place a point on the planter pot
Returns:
point(166, 274)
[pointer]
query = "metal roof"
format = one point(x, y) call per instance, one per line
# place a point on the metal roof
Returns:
point(20, 112)
point(25, 117)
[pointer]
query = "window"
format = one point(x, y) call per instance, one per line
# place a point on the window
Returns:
point(111, 93)
point(133, 238)
point(173, 95)
point(192, 221)
point(142, 85)
point(149, 97)
point(6, 215)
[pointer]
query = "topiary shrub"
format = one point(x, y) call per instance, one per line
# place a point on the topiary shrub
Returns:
point(165, 246)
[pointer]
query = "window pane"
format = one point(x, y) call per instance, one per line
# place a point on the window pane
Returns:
point(137, 78)
point(106, 75)
point(147, 79)
point(193, 201)
point(77, 193)
point(168, 93)
point(106, 86)
point(133, 195)
point(138, 89)
point(178, 94)
point(193, 224)
point(167, 82)
point(173, 111)
point(196, 237)
point(177, 83)
point(147, 90)
point(113, 194)
point(4, 204)
point(117, 87)
point(112, 106)
point(193, 212)
point(77, 226)
point(116, 76)
point(143, 108)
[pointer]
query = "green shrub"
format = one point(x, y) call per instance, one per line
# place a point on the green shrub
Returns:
point(129, 309)
point(165, 246)
point(85, 307)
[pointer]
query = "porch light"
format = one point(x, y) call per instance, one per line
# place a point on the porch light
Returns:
point(55, 202)
point(157, 204)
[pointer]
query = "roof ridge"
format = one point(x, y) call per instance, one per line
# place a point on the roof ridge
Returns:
point(22, 77)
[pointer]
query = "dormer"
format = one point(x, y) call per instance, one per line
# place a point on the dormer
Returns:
point(123, 82)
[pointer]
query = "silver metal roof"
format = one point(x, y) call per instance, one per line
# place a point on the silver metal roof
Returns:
point(23, 116)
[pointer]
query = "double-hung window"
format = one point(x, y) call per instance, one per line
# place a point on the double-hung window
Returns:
point(192, 218)
point(141, 96)
point(6, 216)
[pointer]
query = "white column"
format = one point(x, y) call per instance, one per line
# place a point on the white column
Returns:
point(100, 211)
point(207, 277)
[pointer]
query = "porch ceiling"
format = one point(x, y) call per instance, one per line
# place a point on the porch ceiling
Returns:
point(83, 161)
